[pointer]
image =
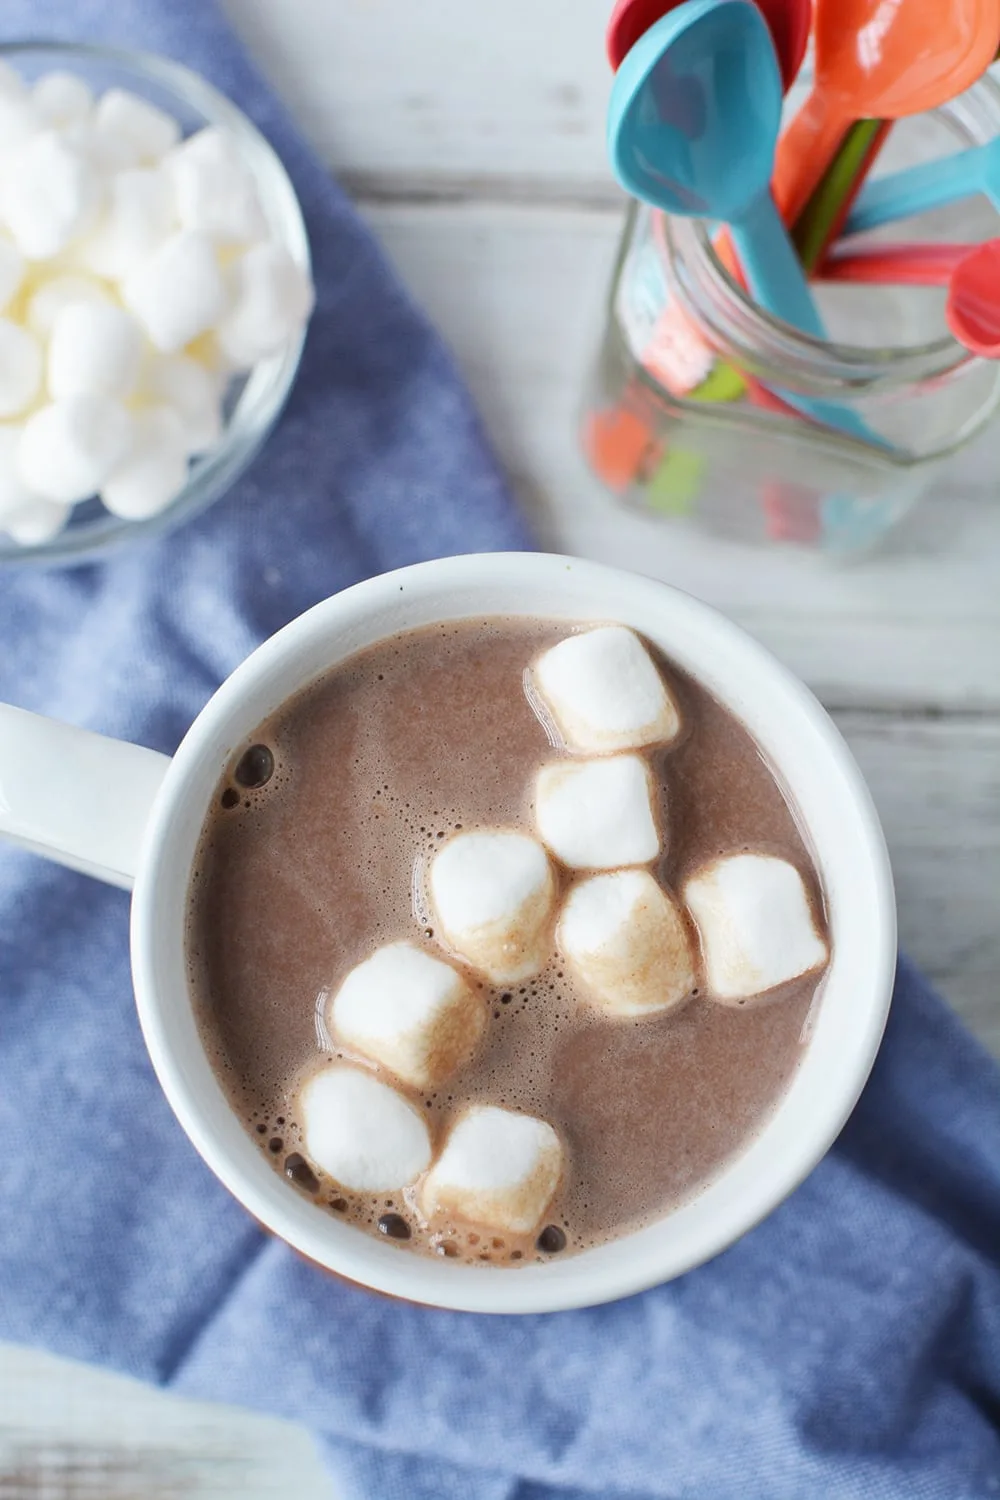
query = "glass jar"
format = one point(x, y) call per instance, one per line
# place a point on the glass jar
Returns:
point(691, 412)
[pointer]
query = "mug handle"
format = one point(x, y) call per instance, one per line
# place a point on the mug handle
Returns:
point(79, 798)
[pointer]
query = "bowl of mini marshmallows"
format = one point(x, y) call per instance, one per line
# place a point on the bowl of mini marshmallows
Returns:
point(155, 289)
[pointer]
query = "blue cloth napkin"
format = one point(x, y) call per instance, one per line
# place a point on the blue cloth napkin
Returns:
point(848, 1347)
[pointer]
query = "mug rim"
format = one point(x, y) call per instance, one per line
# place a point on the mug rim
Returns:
point(848, 1022)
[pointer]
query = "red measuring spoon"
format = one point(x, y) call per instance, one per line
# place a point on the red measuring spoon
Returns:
point(788, 21)
point(879, 59)
point(970, 272)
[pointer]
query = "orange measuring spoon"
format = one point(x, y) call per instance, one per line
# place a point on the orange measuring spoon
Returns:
point(879, 59)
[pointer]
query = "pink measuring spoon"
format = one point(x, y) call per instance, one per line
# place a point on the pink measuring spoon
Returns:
point(970, 272)
point(788, 21)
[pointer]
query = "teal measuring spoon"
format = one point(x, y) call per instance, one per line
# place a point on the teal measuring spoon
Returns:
point(693, 121)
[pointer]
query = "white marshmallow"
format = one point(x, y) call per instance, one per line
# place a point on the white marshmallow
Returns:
point(69, 448)
point(361, 1132)
point(14, 493)
point(194, 393)
point(493, 892)
point(12, 85)
point(755, 924)
point(140, 216)
point(143, 132)
point(51, 194)
point(178, 293)
point(154, 469)
point(627, 941)
point(62, 99)
point(11, 272)
point(604, 692)
point(216, 190)
point(37, 522)
point(410, 1012)
point(45, 304)
point(19, 121)
point(498, 1169)
point(597, 814)
point(95, 348)
point(21, 366)
point(271, 299)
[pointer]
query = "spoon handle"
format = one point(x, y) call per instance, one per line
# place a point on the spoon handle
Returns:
point(910, 265)
point(917, 189)
point(804, 152)
point(772, 268)
point(776, 278)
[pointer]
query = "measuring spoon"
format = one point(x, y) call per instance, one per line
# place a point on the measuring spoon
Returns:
point(932, 184)
point(789, 22)
point(970, 272)
point(879, 59)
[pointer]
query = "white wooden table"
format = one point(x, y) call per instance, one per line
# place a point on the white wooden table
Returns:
point(471, 136)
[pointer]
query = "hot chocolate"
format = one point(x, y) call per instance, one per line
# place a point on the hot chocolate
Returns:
point(343, 968)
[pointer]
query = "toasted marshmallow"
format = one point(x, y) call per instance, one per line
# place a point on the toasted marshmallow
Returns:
point(498, 1169)
point(492, 893)
point(597, 814)
point(410, 1012)
point(361, 1132)
point(604, 692)
point(626, 940)
point(755, 924)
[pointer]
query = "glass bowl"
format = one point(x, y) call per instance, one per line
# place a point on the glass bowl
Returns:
point(253, 401)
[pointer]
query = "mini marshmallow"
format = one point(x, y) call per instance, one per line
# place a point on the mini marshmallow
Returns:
point(62, 99)
point(597, 814)
point(140, 216)
point(69, 448)
point(20, 368)
point(37, 522)
point(493, 892)
point(178, 292)
point(48, 301)
point(215, 189)
point(51, 193)
point(755, 923)
point(94, 348)
point(14, 493)
point(627, 941)
point(193, 392)
point(154, 469)
point(12, 85)
point(272, 297)
point(498, 1169)
point(145, 132)
point(361, 1132)
point(19, 121)
point(410, 1012)
point(11, 272)
point(604, 692)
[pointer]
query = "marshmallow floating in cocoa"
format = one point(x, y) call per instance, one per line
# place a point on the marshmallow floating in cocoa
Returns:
point(410, 1012)
point(492, 892)
point(627, 942)
point(597, 814)
point(604, 692)
point(361, 1132)
point(497, 1168)
point(755, 923)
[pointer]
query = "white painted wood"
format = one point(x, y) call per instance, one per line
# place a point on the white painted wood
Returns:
point(518, 291)
point(67, 1431)
point(420, 93)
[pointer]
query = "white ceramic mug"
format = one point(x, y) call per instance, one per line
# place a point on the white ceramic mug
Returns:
point(129, 815)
